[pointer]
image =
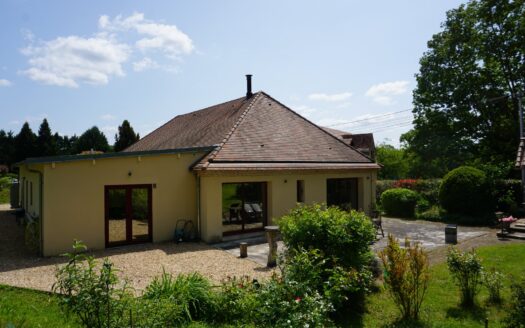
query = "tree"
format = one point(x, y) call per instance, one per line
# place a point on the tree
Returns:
point(7, 149)
point(465, 101)
point(46, 142)
point(395, 165)
point(92, 139)
point(25, 144)
point(126, 136)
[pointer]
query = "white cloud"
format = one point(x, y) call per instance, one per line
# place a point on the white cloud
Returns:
point(383, 93)
point(145, 64)
point(109, 130)
point(156, 36)
point(304, 110)
point(5, 83)
point(330, 97)
point(69, 61)
point(108, 117)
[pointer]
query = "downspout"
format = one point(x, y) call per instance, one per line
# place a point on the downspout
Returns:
point(41, 207)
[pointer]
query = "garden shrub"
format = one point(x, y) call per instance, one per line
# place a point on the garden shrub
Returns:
point(508, 195)
point(466, 270)
point(156, 313)
point(237, 301)
point(493, 280)
point(399, 202)
point(466, 191)
point(98, 299)
point(431, 214)
point(428, 189)
point(406, 275)
point(516, 314)
point(192, 292)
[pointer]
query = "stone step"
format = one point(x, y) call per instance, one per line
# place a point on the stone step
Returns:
point(513, 235)
point(516, 228)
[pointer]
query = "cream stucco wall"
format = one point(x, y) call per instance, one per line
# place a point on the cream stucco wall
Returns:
point(281, 193)
point(73, 196)
point(29, 190)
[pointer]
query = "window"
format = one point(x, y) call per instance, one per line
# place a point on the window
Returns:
point(300, 191)
point(31, 193)
point(342, 193)
point(243, 207)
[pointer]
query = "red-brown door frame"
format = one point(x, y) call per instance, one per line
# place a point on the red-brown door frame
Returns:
point(129, 214)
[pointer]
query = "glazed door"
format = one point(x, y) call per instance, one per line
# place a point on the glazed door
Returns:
point(128, 214)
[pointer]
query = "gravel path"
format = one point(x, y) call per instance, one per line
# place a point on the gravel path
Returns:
point(139, 263)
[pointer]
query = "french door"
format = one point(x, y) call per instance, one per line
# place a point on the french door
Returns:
point(128, 214)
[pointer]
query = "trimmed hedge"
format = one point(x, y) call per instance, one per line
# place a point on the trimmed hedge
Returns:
point(427, 188)
point(466, 191)
point(399, 202)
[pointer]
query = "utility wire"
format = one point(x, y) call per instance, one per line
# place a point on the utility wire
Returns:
point(369, 118)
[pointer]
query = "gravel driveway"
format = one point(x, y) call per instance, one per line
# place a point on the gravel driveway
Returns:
point(139, 263)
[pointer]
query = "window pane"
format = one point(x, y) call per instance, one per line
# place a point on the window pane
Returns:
point(140, 214)
point(342, 193)
point(300, 191)
point(116, 215)
point(243, 206)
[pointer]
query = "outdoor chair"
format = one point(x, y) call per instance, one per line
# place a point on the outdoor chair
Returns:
point(248, 212)
point(375, 215)
point(235, 212)
point(258, 211)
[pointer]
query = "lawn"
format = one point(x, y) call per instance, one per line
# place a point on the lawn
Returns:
point(440, 309)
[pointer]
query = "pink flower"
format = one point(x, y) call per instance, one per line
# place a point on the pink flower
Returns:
point(508, 219)
point(297, 299)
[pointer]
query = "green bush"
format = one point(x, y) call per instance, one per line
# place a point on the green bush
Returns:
point(344, 236)
point(516, 315)
point(508, 196)
point(98, 299)
point(466, 191)
point(406, 275)
point(237, 301)
point(493, 280)
point(431, 214)
point(466, 270)
point(191, 292)
point(399, 202)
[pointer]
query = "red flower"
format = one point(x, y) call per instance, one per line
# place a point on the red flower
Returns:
point(298, 299)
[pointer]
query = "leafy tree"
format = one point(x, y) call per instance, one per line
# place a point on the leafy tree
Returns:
point(465, 101)
point(91, 139)
point(7, 149)
point(25, 143)
point(395, 165)
point(46, 141)
point(126, 136)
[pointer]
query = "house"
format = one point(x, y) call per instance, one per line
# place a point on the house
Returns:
point(364, 142)
point(229, 169)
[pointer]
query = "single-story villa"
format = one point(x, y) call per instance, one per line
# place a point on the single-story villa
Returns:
point(229, 169)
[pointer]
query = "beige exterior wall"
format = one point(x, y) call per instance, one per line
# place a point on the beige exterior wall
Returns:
point(281, 194)
point(74, 201)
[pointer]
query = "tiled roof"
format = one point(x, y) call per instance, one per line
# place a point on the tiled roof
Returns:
point(205, 127)
point(255, 133)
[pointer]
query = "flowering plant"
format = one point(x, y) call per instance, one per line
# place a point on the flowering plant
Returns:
point(508, 219)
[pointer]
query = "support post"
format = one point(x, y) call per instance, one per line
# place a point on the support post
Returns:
point(243, 248)
point(520, 108)
point(271, 236)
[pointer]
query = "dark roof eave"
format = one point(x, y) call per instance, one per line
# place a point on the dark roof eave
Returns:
point(72, 158)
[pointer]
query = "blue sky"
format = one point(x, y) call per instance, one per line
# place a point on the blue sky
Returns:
point(345, 64)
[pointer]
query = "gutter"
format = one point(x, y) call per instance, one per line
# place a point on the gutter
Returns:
point(41, 207)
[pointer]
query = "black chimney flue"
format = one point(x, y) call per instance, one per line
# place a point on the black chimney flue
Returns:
point(249, 93)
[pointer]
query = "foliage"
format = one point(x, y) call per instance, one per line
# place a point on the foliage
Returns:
point(466, 270)
point(25, 144)
point(393, 160)
point(399, 202)
point(508, 196)
point(431, 214)
point(46, 141)
point(98, 299)
point(237, 300)
point(32, 235)
point(428, 189)
point(406, 275)
point(92, 139)
point(344, 236)
point(516, 316)
point(192, 293)
point(466, 191)
point(126, 136)
point(465, 101)
point(493, 280)
point(285, 304)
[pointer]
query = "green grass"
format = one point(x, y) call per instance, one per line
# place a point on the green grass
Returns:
point(29, 308)
point(440, 307)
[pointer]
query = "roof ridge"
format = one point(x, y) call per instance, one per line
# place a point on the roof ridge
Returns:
point(317, 126)
point(214, 152)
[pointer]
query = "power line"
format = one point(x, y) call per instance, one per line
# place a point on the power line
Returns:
point(367, 125)
point(384, 127)
point(369, 118)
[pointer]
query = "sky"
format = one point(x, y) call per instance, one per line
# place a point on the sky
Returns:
point(349, 65)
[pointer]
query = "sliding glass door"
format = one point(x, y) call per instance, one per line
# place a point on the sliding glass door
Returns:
point(244, 207)
point(128, 214)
